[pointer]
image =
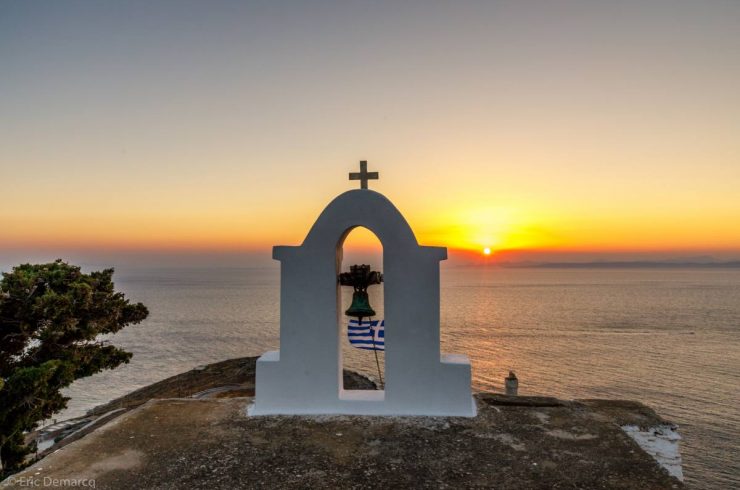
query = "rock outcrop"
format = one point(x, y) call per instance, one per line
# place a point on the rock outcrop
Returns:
point(209, 442)
point(213, 444)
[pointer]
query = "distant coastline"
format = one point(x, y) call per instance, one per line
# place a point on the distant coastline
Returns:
point(638, 264)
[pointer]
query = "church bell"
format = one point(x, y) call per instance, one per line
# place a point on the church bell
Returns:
point(360, 307)
point(360, 277)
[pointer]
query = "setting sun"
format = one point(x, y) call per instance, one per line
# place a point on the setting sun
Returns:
point(487, 251)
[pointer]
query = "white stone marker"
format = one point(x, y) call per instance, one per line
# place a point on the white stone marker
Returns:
point(305, 375)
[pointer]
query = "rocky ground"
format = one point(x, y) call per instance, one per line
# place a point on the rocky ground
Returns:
point(210, 443)
point(236, 373)
point(225, 379)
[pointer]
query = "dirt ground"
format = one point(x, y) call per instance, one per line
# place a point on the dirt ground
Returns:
point(513, 443)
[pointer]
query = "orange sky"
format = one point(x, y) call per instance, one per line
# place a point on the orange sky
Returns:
point(530, 128)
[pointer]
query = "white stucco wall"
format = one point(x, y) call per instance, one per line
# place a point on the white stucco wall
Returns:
point(305, 376)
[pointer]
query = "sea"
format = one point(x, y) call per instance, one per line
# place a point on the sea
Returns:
point(668, 337)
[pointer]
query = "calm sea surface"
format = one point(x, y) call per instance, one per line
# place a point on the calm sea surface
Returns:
point(669, 338)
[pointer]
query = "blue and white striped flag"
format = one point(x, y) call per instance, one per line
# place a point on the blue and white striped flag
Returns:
point(361, 335)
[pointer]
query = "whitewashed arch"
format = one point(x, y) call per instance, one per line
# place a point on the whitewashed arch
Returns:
point(305, 375)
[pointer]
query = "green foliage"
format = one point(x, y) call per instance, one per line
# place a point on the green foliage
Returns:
point(51, 316)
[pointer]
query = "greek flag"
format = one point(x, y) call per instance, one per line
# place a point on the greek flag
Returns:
point(361, 335)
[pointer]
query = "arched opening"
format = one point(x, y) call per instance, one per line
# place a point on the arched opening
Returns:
point(358, 352)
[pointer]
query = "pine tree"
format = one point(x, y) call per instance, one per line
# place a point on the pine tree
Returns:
point(51, 317)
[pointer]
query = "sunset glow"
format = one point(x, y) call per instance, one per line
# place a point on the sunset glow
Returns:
point(504, 149)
